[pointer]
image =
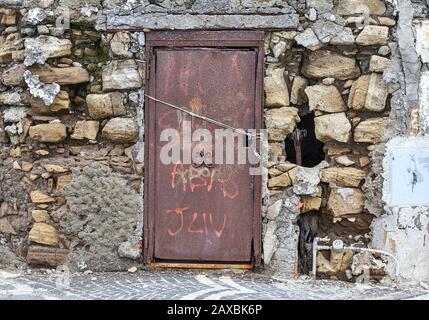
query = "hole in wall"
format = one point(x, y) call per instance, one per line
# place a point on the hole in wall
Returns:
point(311, 149)
point(308, 226)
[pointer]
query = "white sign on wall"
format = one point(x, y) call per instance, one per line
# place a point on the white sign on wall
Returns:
point(408, 178)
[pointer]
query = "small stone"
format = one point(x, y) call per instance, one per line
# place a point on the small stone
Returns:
point(373, 35)
point(384, 50)
point(39, 197)
point(35, 16)
point(328, 81)
point(311, 14)
point(120, 44)
point(333, 33)
point(344, 161)
point(119, 75)
point(386, 21)
point(345, 177)
point(297, 92)
point(334, 150)
point(369, 92)
point(63, 181)
point(62, 76)
point(320, 6)
point(41, 152)
point(310, 203)
point(85, 130)
point(129, 250)
point(377, 93)
point(16, 152)
point(39, 49)
point(13, 76)
point(40, 215)
point(343, 201)
point(16, 165)
point(364, 161)
point(334, 126)
point(280, 122)
point(42, 29)
point(41, 255)
point(11, 98)
point(46, 175)
point(286, 166)
point(276, 90)
point(7, 17)
point(325, 98)
point(53, 168)
point(328, 64)
point(281, 181)
point(61, 103)
point(123, 130)
point(370, 7)
point(370, 130)
point(107, 105)
point(279, 48)
point(132, 269)
point(378, 64)
point(6, 227)
point(309, 40)
point(274, 210)
point(358, 93)
point(44, 234)
point(49, 132)
point(26, 166)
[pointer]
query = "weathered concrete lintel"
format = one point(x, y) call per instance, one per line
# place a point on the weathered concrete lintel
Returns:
point(182, 22)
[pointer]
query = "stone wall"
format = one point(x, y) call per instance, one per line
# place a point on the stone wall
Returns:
point(71, 138)
point(71, 124)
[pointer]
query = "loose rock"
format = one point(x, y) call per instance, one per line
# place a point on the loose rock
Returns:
point(373, 35)
point(334, 126)
point(343, 201)
point(325, 98)
point(276, 90)
point(281, 122)
point(107, 105)
point(123, 130)
point(346, 177)
point(370, 130)
point(44, 233)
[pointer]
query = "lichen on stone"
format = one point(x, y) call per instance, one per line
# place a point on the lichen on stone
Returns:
point(47, 92)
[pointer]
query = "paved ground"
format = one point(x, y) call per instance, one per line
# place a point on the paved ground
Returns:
point(189, 285)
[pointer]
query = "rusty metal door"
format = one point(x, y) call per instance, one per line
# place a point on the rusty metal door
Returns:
point(205, 212)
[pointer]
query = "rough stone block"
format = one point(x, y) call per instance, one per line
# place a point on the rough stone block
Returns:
point(334, 126)
point(40, 255)
point(48, 132)
point(44, 233)
point(328, 64)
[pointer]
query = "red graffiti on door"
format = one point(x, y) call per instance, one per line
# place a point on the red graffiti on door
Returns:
point(192, 178)
point(196, 218)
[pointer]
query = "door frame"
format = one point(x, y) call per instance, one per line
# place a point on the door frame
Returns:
point(214, 39)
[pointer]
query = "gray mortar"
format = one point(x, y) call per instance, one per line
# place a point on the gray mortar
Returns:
point(13, 191)
point(102, 212)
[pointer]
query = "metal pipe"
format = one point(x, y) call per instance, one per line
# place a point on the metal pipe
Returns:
point(377, 251)
point(339, 246)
